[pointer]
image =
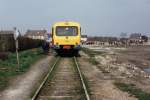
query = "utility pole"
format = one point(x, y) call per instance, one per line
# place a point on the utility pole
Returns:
point(16, 34)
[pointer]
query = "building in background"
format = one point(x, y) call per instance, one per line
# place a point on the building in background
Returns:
point(135, 36)
point(84, 38)
point(36, 34)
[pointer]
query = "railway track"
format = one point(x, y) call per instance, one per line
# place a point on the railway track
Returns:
point(64, 82)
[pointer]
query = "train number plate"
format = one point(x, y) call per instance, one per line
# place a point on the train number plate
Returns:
point(66, 47)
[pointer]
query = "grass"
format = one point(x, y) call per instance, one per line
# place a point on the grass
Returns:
point(133, 90)
point(92, 58)
point(89, 52)
point(91, 55)
point(93, 61)
point(8, 67)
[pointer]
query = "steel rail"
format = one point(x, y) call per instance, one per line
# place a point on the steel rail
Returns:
point(45, 79)
point(82, 80)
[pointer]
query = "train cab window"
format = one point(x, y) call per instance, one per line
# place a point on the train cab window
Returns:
point(66, 31)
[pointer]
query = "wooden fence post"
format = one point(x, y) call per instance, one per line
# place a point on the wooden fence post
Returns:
point(17, 54)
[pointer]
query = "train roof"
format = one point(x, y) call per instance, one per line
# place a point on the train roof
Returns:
point(66, 23)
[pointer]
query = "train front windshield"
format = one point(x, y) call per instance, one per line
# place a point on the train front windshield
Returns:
point(66, 31)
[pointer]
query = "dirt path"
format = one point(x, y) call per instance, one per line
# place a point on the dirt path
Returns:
point(22, 86)
point(64, 84)
point(101, 86)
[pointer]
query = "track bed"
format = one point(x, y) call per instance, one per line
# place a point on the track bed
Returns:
point(63, 84)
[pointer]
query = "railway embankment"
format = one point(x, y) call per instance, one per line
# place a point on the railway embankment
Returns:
point(23, 82)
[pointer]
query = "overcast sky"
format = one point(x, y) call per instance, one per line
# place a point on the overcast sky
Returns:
point(97, 17)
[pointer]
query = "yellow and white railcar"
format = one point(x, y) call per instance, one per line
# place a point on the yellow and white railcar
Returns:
point(66, 36)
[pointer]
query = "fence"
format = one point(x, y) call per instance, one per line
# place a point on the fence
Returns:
point(7, 43)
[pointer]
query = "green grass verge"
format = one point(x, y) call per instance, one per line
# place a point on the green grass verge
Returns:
point(133, 90)
point(91, 55)
point(8, 67)
point(92, 58)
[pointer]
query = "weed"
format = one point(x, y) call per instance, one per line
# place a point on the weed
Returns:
point(92, 53)
point(133, 90)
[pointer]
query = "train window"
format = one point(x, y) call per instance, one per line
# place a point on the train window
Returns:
point(66, 31)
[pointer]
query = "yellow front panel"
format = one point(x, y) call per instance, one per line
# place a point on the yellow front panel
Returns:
point(66, 40)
